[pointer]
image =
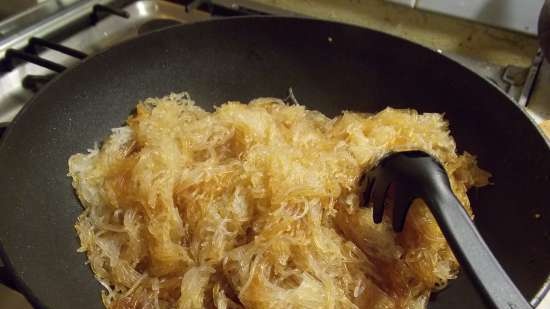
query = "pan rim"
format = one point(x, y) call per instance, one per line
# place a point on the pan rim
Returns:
point(542, 292)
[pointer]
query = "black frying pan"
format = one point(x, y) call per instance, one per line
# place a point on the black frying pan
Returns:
point(243, 58)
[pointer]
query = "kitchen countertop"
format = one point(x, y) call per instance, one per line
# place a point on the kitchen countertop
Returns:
point(10, 299)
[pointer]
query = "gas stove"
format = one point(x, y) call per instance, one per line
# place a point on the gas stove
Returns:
point(32, 56)
point(46, 39)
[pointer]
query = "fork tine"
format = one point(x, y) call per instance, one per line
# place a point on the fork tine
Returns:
point(379, 191)
point(366, 188)
point(402, 203)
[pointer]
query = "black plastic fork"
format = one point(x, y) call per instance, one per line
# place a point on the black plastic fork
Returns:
point(415, 174)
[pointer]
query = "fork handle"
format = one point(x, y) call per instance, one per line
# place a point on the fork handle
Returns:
point(472, 252)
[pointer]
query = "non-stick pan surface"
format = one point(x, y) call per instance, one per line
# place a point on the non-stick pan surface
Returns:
point(331, 67)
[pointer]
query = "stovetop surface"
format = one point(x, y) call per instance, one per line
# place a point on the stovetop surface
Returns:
point(16, 88)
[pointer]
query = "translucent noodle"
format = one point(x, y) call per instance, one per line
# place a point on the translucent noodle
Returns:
point(256, 206)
